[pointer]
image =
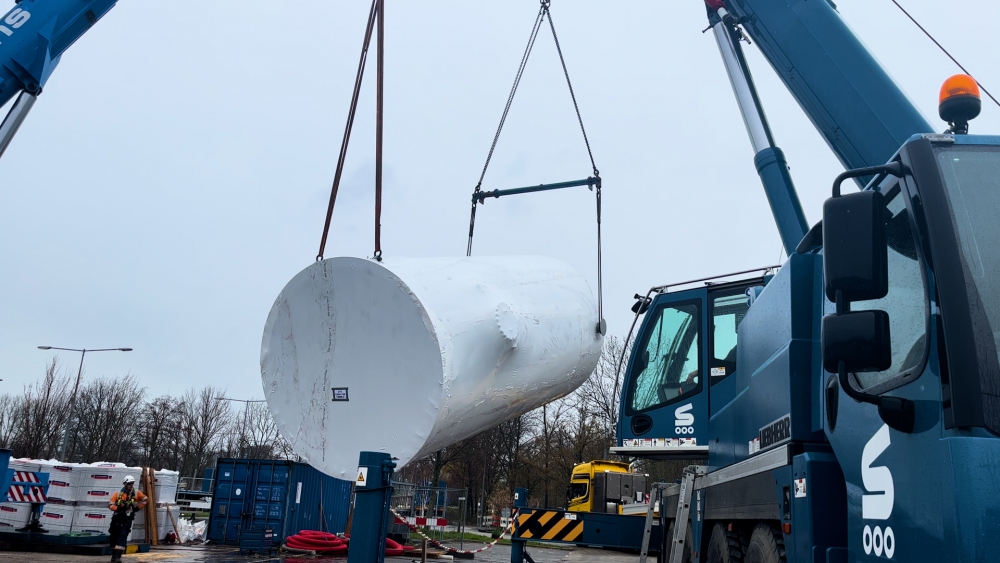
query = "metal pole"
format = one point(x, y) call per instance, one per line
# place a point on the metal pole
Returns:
point(482, 500)
point(461, 530)
point(11, 123)
point(517, 551)
point(72, 408)
point(243, 433)
point(481, 196)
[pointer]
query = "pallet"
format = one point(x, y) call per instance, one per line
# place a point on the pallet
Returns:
point(96, 544)
point(52, 539)
point(105, 549)
point(7, 544)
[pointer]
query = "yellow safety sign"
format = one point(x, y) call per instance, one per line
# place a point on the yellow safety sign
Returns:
point(550, 525)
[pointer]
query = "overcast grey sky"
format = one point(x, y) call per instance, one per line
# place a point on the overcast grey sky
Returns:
point(175, 172)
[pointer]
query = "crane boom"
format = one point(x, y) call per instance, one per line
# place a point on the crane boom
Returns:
point(850, 99)
point(33, 35)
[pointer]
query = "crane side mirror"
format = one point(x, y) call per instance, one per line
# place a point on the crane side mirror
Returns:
point(855, 254)
point(860, 339)
point(641, 305)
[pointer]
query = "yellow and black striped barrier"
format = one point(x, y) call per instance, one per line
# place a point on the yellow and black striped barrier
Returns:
point(549, 525)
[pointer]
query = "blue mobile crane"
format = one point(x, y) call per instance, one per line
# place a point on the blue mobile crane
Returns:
point(33, 35)
point(846, 407)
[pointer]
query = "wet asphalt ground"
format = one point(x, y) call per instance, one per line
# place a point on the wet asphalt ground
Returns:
point(198, 554)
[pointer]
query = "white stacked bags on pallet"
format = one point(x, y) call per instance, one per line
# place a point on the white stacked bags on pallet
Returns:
point(57, 518)
point(14, 516)
point(79, 494)
point(24, 465)
point(94, 519)
point(61, 491)
point(98, 481)
point(163, 524)
point(96, 484)
point(166, 486)
point(63, 480)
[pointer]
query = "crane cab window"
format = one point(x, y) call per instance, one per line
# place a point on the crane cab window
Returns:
point(667, 366)
point(577, 491)
point(727, 314)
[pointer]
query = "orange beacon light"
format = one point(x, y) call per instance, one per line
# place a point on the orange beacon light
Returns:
point(959, 102)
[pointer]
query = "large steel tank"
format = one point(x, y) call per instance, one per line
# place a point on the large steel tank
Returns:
point(411, 355)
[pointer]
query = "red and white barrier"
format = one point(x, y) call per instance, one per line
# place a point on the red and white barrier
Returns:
point(434, 522)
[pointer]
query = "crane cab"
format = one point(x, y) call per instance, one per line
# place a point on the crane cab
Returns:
point(687, 343)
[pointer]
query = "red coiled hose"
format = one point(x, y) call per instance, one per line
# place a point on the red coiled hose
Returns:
point(326, 543)
point(320, 542)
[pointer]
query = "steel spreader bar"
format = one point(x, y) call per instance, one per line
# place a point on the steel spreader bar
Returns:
point(480, 196)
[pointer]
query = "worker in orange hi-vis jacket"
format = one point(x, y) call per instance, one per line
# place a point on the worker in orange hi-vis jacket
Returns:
point(125, 503)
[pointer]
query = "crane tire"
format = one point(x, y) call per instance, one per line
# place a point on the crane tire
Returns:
point(767, 545)
point(724, 546)
point(687, 543)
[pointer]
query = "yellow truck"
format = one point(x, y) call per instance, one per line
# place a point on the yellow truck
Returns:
point(604, 486)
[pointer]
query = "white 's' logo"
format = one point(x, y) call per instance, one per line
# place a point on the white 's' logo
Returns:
point(877, 505)
point(876, 479)
point(684, 419)
point(14, 19)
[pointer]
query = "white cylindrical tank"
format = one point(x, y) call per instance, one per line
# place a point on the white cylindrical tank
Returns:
point(411, 355)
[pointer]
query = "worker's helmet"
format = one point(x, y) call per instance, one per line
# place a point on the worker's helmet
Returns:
point(128, 479)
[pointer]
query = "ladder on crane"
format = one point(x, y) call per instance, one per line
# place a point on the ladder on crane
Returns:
point(676, 550)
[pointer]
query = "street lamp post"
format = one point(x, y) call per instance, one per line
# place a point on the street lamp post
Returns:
point(246, 415)
point(461, 544)
point(76, 387)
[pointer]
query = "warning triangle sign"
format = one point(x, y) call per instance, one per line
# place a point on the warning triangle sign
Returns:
point(362, 479)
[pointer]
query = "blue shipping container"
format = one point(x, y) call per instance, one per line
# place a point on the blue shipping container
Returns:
point(286, 496)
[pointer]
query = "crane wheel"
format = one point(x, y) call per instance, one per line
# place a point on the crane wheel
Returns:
point(767, 545)
point(724, 546)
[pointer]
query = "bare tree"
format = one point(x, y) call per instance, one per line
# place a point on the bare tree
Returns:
point(542, 452)
point(508, 440)
point(108, 418)
point(253, 434)
point(159, 439)
point(499, 500)
point(203, 423)
point(10, 410)
point(601, 393)
point(42, 414)
point(537, 450)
